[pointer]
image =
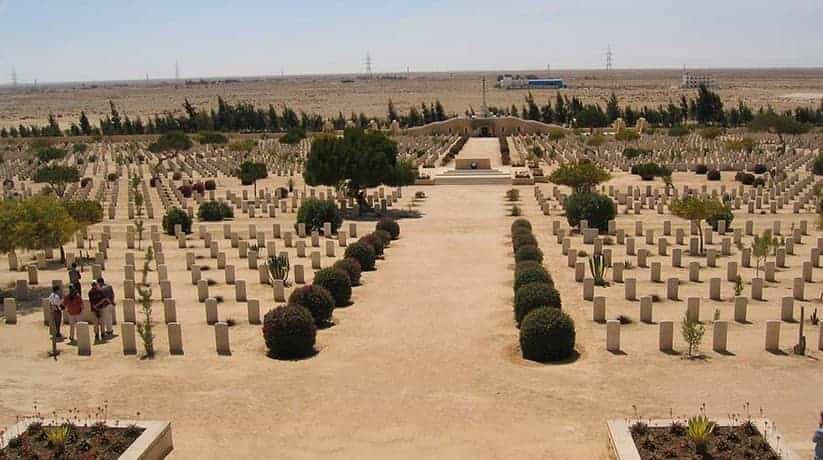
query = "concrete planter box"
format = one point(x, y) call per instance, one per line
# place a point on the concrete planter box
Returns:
point(424, 182)
point(523, 181)
point(623, 448)
point(154, 443)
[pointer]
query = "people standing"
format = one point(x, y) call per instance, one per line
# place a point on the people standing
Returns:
point(74, 277)
point(99, 303)
point(73, 304)
point(818, 439)
point(109, 314)
point(56, 308)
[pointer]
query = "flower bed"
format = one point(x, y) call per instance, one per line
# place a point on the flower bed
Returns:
point(730, 439)
point(110, 439)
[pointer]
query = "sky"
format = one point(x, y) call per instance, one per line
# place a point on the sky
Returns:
point(91, 40)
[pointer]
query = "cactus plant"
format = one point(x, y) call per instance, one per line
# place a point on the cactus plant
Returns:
point(597, 265)
point(279, 268)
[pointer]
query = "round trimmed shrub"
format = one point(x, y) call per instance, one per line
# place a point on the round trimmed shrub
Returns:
point(547, 334)
point(713, 175)
point(523, 239)
point(337, 283)
point(314, 213)
point(593, 207)
point(744, 178)
point(532, 275)
point(374, 241)
point(112, 177)
point(528, 252)
point(521, 223)
point(210, 184)
point(526, 265)
point(213, 211)
point(723, 214)
point(352, 268)
point(390, 225)
point(176, 216)
point(532, 296)
point(316, 299)
point(185, 190)
point(362, 253)
point(817, 166)
point(176, 175)
point(384, 236)
point(83, 182)
point(289, 332)
point(199, 188)
point(701, 169)
point(759, 168)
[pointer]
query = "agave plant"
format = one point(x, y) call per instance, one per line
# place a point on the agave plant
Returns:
point(279, 268)
point(57, 436)
point(597, 265)
point(700, 431)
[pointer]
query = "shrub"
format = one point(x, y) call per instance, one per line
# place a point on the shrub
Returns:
point(701, 169)
point(390, 225)
point(213, 211)
point(528, 252)
point(627, 135)
point(580, 176)
point(547, 334)
point(526, 265)
point(362, 253)
point(634, 152)
point(534, 295)
point(185, 190)
point(759, 181)
point(176, 216)
point(174, 140)
point(384, 236)
point(532, 275)
point(289, 332)
point(177, 175)
point(678, 131)
point(199, 188)
point(111, 177)
point(521, 223)
point(85, 211)
point(337, 283)
point(210, 184)
point(523, 239)
point(759, 168)
point(593, 207)
point(817, 166)
point(316, 299)
point(211, 137)
point(713, 175)
point(648, 171)
point(83, 182)
point(374, 241)
point(314, 213)
point(352, 267)
point(744, 178)
point(724, 213)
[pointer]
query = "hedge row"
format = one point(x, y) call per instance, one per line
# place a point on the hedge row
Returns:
point(290, 330)
point(546, 332)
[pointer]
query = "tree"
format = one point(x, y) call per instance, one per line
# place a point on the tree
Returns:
point(612, 108)
point(761, 248)
point(174, 140)
point(43, 223)
point(692, 332)
point(58, 177)
point(708, 106)
point(85, 126)
point(392, 112)
point(769, 121)
point(581, 176)
point(84, 212)
point(358, 160)
point(250, 172)
point(696, 209)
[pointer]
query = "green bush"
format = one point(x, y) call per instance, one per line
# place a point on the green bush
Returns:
point(176, 216)
point(701, 169)
point(523, 239)
point(648, 171)
point(374, 241)
point(634, 152)
point(593, 207)
point(174, 140)
point(534, 295)
point(362, 253)
point(678, 131)
point(528, 252)
point(521, 224)
point(724, 213)
point(314, 213)
point(547, 334)
point(210, 184)
point(86, 212)
point(390, 225)
point(289, 332)
point(384, 236)
point(337, 283)
point(532, 275)
point(713, 175)
point(527, 265)
point(213, 211)
point(817, 166)
point(352, 267)
point(316, 299)
point(211, 137)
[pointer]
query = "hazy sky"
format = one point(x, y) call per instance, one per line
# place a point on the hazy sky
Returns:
point(67, 40)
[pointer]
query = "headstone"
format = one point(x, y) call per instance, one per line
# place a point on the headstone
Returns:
point(646, 309)
point(613, 335)
point(772, 335)
point(631, 289)
point(10, 310)
point(211, 311)
point(720, 333)
point(175, 338)
point(253, 306)
point(740, 309)
point(787, 309)
point(666, 338)
point(599, 309)
point(240, 290)
point(693, 309)
point(672, 287)
point(83, 339)
point(128, 338)
point(169, 311)
point(221, 338)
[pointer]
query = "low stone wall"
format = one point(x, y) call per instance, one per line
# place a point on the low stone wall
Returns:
point(503, 126)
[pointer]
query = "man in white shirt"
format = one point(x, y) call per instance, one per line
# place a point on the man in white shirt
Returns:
point(56, 306)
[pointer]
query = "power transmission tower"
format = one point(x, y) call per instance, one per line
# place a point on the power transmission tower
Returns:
point(13, 76)
point(368, 66)
point(609, 57)
point(176, 70)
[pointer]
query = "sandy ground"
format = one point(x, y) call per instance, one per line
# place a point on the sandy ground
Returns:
point(458, 92)
point(425, 364)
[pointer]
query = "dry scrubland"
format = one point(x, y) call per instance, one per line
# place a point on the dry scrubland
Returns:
point(426, 363)
point(326, 95)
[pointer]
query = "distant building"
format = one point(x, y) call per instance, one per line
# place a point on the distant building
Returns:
point(693, 80)
point(509, 82)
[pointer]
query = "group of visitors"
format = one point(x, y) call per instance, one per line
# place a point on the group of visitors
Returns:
point(101, 301)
